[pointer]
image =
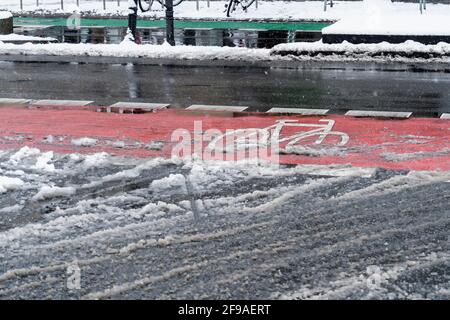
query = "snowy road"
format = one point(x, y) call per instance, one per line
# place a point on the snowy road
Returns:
point(166, 229)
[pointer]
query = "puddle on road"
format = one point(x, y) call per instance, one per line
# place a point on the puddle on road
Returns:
point(194, 37)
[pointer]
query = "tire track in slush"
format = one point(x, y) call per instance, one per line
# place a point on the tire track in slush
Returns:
point(135, 223)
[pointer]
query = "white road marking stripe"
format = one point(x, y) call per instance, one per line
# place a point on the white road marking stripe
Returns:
point(299, 111)
point(200, 107)
point(384, 114)
point(31, 26)
point(146, 28)
point(122, 106)
point(72, 103)
point(199, 29)
point(253, 30)
point(309, 31)
point(13, 101)
point(445, 116)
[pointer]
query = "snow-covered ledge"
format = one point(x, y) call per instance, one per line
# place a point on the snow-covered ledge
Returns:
point(6, 22)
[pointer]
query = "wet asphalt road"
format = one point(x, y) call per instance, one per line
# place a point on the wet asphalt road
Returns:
point(134, 229)
point(314, 86)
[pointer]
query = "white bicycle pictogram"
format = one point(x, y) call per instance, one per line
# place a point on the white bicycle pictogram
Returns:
point(265, 137)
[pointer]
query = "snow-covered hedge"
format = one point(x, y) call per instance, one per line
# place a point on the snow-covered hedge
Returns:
point(406, 49)
point(5, 15)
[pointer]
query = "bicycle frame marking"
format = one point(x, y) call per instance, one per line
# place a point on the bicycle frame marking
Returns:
point(257, 137)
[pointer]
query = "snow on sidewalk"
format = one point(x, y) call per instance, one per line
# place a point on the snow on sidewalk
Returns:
point(285, 52)
point(382, 17)
point(267, 10)
point(18, 38)
point(135, 51)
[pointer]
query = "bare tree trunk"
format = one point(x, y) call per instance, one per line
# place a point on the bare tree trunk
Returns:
point(6, 26)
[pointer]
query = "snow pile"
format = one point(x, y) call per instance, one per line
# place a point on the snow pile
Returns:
point(96, 160)
point(170, 182)
point(155, 145)
point(381, 17)
point(21, 38)
point(84, 142)
point(143, 51)
point(22, 154)
point(398, 157)
point(314, 151)
point(7, 184)
point(5, 15)
point(282, 52)
point(42, 162)
point(408, 48)
point(49, 192)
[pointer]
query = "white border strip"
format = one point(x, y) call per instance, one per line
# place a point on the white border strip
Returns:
point(201, 107)
point(198, 29)
point(14, 101)
point(445, 116)
point(131, 106)
point(139, 105)
point(253, 30)
point(381, 114)
point(71, 103)
point(299, 111)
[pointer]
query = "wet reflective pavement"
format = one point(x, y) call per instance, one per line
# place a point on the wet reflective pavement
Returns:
point(197, 33)
point(195, 37)
point(337, 89)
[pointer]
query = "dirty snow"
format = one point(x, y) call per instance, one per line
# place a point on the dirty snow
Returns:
point(22, 154)
point(135, 230)
point(95, 160)
point(7, 184)
point(48, 192)
point(42, 162)
point(398, 157)
point(84, 142)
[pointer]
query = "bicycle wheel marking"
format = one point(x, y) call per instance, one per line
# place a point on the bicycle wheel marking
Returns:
point(250, 138)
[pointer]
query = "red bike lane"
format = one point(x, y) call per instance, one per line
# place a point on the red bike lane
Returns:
point(411, 144)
